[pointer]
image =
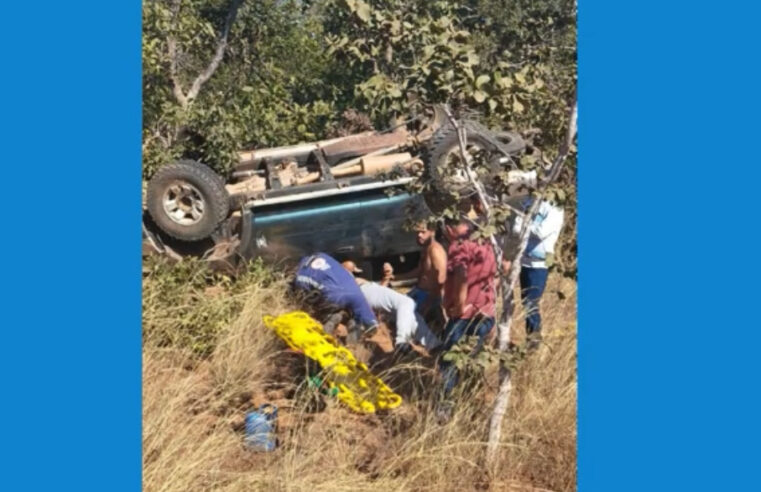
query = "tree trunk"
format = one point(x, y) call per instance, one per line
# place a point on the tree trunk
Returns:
point(508, 286)
point(186, 98)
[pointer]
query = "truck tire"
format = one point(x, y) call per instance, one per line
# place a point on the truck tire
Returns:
point(444, 144)
point(187, 200)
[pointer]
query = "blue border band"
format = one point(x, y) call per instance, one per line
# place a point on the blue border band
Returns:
point(668, 180)
point(71, 245)
point(668, 109)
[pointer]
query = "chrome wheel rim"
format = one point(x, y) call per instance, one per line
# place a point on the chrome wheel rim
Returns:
point(183, 203)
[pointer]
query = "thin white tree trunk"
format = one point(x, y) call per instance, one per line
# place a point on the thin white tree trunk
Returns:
point(462, 138)
point(508, 285)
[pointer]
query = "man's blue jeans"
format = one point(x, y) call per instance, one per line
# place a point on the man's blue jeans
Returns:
point(453, 332)
point(533, 281)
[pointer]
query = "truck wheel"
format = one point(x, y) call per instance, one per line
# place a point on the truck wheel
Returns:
point(187, 200)
point(443, 152)
point(442, 157)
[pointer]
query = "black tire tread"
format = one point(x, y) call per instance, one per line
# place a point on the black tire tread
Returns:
point(445, 138)
point(441, 144)
point(208, 182)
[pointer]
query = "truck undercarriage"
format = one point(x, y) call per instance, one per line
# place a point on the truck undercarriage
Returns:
point(344, 196)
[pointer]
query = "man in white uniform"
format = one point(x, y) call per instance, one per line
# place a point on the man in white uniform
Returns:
point(544, 231)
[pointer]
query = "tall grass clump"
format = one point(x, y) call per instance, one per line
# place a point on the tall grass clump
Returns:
point(208, 359)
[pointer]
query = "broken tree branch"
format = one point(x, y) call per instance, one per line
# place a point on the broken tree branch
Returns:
point(462, 138)
point(171, 45)
point(186, 98)
point(507, 285)
point(218, 54)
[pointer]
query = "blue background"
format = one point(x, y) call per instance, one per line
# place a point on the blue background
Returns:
point(668, 254)
point(70, 158)
point(668, 175)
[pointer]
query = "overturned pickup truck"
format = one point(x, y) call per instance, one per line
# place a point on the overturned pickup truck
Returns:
point(331, 195)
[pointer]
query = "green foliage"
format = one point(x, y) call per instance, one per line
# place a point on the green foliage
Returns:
point(403, 54)
point(270, 89)
point(514, 62)
point(292, 67)
point(463, 357)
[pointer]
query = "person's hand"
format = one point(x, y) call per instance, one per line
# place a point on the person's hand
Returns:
point(506, 267)
point(388, 273)
point(468, 311)
point(460, 311)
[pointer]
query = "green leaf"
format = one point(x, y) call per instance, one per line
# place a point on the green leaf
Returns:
point(473, 58)
point(355, 51)
point(492, 104)
point(481, 80)
point(449, 356)
point(517, 106)
point(503, 81)
point(363, 11)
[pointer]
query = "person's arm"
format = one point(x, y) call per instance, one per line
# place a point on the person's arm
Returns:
point(460, 288)
point(388, 274)
point(548, 230)
point(345, 292)
point(439, 262)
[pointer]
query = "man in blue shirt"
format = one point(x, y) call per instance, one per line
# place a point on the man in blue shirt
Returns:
point(333, 289)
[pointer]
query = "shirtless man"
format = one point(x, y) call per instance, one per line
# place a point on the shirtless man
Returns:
point(431, 272)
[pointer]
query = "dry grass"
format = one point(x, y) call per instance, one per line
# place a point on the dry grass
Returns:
point(193, 410)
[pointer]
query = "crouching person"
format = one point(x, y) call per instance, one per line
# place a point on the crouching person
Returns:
point(330, 291)
point(410, 325)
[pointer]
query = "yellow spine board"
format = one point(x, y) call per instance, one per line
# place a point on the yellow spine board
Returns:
point(357, 386)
